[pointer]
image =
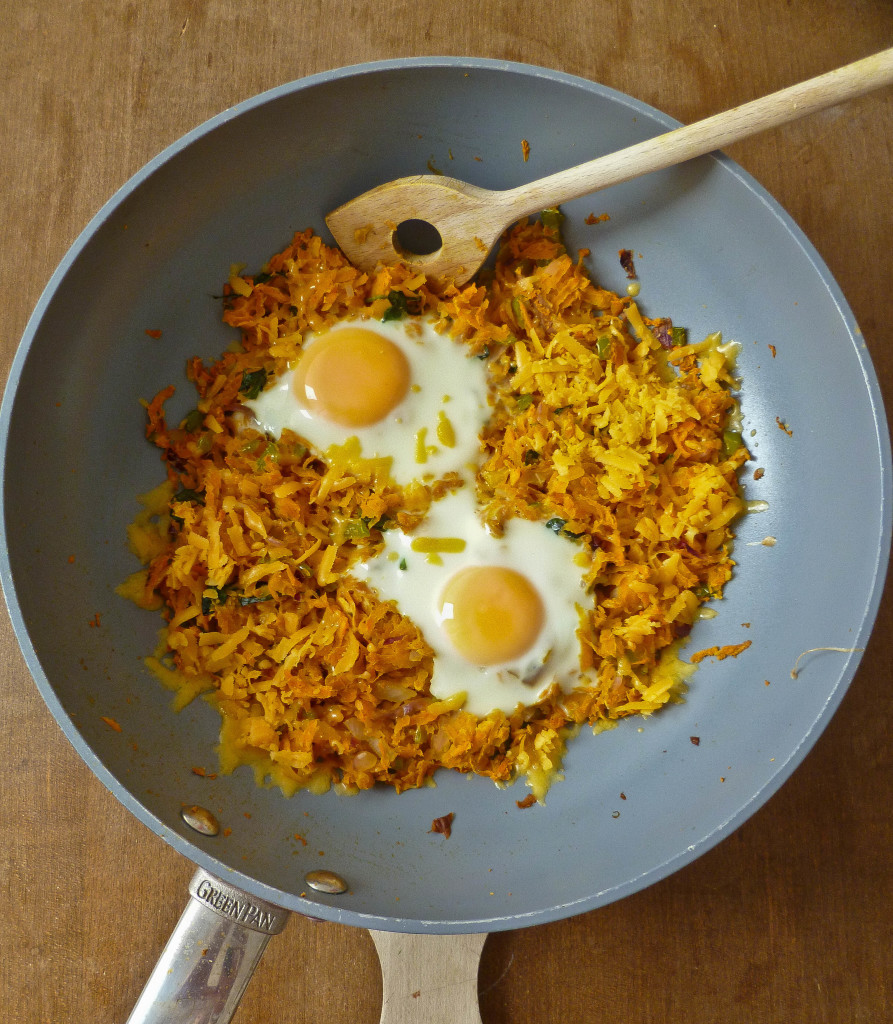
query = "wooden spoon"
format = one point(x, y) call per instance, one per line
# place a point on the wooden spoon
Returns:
point(393, 221)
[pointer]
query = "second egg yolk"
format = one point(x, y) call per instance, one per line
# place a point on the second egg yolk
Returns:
point(490, 614)
point(352, 376)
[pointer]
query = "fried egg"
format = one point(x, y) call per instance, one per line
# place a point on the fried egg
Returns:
point(405, 391)
point(500, 613)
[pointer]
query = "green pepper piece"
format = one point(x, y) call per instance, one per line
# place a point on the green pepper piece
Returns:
point(731, 442)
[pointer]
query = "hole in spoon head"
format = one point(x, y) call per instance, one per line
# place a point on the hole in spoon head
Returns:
point(415, 239)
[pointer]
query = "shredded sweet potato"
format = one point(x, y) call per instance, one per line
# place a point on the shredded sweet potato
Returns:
point(600, 428)
point(720, 653)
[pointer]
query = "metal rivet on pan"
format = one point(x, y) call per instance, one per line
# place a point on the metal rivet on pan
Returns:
point(201, 819)
point(325, 881)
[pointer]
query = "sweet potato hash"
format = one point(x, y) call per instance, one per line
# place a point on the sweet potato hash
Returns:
point(607, 427)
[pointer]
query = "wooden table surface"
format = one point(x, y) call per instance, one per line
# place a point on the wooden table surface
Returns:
point(791, 917)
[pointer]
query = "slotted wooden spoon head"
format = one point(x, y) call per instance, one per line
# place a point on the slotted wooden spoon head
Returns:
point(456, 224)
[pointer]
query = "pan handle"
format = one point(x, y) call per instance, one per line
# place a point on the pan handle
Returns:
point(431, 978)
point(210, 957)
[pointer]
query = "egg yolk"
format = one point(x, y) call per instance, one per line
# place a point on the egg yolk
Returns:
point(352, 376)
point(490, 614)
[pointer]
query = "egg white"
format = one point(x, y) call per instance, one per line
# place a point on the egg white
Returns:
point(444, 379)
point(548, 560)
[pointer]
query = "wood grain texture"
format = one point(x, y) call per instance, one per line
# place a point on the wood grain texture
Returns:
point(430, 978)
point(787, 920)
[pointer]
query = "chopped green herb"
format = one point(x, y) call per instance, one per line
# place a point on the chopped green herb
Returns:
point(557, 525)
point(221, 595)
point(552, 218)
point(680, 336)
point(531, 456)
point(561, 409)
point(484, 353)
point(356, 528)
point(193, 421)
point(187, 494)
point(253, 382)
point(703, 591)
point(262, 277)
point(218, 597)
point(402, 564)
point(523, 402)
point(271, 451)
point(603, 346)
point(402, 304)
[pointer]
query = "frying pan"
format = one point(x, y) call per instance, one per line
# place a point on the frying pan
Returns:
point(717, 253)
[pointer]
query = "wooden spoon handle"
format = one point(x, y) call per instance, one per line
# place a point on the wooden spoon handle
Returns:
point(703, 136)
point(429, 978)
